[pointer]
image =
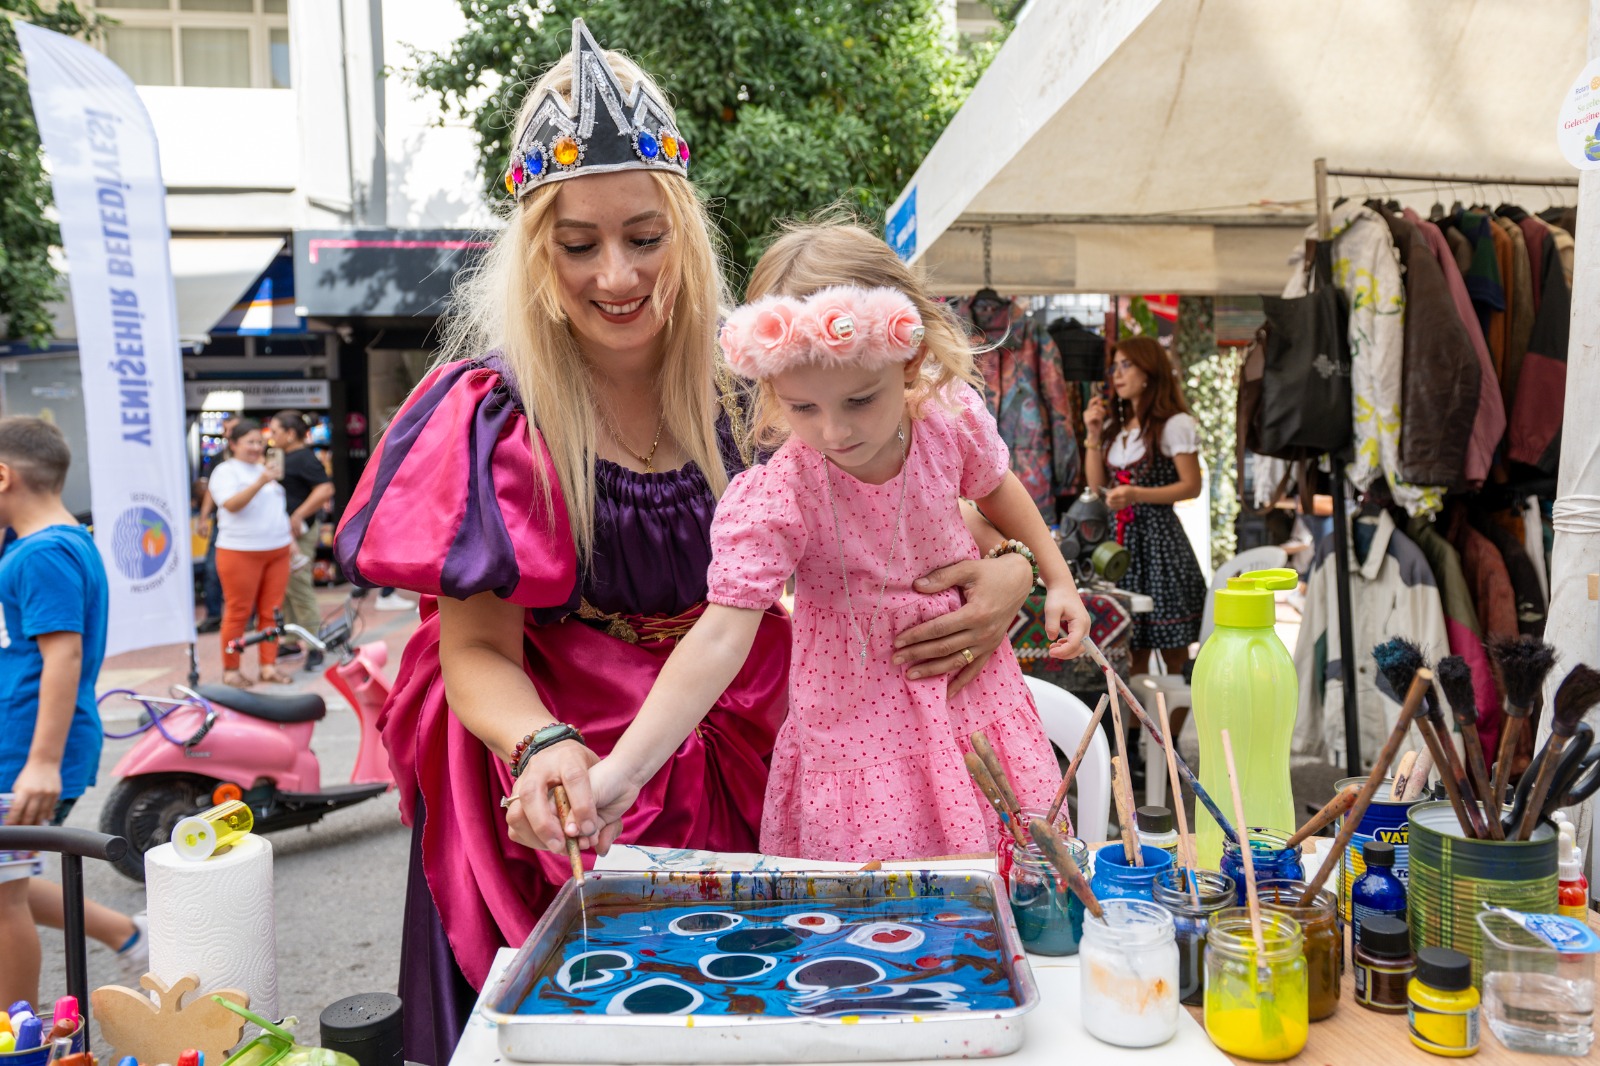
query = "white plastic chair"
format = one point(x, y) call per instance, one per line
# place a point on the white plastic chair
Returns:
point(1176, 689)
point(1064, 718)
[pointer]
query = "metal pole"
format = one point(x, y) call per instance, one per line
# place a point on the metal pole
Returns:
point(1449, 179)
point(72, 925)
point(1341, 542)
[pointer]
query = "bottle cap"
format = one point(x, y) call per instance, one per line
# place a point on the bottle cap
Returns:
point(1385, 936)
point(1378, 853)
point(1247, 601)
point(66, 1010)
point(1568, 855)
point(1153, 819)
point(1444, 969)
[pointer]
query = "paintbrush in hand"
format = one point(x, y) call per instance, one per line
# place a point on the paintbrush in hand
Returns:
point(1341, 802)
point(1420, 683)
point(1399, 660)
point(1455, 677)
point(563, 812)
point(1077, 757)
point(1054, 849)
point(991, 792)
point(1579, 691)
point(1523, 664)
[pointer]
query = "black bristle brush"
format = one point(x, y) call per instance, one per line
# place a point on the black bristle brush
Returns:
point(1579, 691)
point(1522, 663)
point(1398, 661)
point(1455, 678)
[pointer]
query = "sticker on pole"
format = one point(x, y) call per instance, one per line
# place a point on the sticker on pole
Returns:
point(1578, 127)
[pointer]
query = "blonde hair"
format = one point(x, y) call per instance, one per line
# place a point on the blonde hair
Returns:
point(511, 301)
point(837, 250)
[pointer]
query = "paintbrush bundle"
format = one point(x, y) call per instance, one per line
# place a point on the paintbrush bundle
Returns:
point(1455, 677)
point(1523, 664)
point(1399, 661)
point(1579, 692)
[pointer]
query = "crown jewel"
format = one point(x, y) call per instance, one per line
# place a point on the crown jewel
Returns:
point(609, 130)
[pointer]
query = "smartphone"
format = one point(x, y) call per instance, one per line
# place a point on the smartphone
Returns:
point(274, 461)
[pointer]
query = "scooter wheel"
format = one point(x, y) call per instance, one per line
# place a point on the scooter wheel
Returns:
point(143, 810)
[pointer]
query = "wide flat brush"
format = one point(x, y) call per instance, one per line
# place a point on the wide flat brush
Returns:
point(1399, 661)
point(1077, 757)
point(1523, 664)
point(1579, 691)
point(1455, 678)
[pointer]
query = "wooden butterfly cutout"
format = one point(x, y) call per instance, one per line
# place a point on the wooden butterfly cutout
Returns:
point(133, 1025)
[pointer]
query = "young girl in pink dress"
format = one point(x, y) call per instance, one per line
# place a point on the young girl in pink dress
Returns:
point(870, 382)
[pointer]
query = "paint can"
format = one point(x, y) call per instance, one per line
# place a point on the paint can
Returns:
point(1452, 878)
point(1385, 820)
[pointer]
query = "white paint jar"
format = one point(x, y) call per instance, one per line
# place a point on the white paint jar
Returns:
point(1129, 977)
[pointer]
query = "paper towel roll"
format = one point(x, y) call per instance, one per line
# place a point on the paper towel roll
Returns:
point(215, 919)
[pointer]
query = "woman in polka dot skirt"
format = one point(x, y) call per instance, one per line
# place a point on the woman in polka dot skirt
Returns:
point(1141, 484)
point(867, 384)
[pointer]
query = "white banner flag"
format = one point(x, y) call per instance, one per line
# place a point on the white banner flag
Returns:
point(106, 172)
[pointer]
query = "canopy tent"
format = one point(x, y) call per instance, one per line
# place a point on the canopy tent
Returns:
point(1167, 145)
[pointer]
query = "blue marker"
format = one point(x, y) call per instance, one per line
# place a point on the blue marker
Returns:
point(21, 1006)
point(127, 1060)
point(29, 1033)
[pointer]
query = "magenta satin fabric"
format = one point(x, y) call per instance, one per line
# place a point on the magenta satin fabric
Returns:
point(447, 505)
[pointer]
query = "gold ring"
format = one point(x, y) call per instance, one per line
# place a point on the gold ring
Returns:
point(966, 653)
point(506, 801)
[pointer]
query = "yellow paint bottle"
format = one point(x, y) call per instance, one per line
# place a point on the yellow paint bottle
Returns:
point(203, 835)
point(1443, 1005)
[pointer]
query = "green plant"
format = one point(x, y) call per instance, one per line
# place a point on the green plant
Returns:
point(1212, 387)
point(27, 280)
point(788, 108)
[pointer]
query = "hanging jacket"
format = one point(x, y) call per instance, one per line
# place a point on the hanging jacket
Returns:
point(1525, 584)
point(1439, 370)
point(1486, 576)
point(1367, 268)
point(1519, 310)
point(1489, 423)
point(1534, 435)
point(1392, 593)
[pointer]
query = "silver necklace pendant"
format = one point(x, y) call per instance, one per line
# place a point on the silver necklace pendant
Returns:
point(863, 641)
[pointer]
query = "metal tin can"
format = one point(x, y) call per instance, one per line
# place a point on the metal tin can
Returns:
point(1386, 820)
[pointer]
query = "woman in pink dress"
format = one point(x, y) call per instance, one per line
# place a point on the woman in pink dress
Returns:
point(873, 383)
point(549, 488)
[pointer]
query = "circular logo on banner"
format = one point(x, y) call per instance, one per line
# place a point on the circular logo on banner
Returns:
point(355, 423)
point(142, 541)
point(1578, 124)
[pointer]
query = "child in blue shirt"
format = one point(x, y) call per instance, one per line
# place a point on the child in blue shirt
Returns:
point(53, 611)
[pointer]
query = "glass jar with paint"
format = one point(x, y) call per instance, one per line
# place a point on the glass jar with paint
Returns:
point(1129, 977)
point(1191, 918)
point(1273, 861)
point(1116, 878)
point(1321, 935)
point(1049, 916)
point(1267, 1022)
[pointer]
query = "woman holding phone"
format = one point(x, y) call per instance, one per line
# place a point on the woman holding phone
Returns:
point(252, 545)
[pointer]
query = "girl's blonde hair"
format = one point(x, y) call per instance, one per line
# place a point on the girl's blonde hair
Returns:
point(836, 250)
point(511, 302)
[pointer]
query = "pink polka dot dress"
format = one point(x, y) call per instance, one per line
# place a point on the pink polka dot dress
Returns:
point(868, 764)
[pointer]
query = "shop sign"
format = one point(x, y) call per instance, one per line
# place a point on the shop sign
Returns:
point(355, 423)
point(298, 394)
point(1578, 124)
point(902, 228)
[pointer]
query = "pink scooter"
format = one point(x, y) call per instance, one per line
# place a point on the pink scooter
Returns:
point(211, 743)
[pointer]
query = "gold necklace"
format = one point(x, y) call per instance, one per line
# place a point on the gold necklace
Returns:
point(647, 457)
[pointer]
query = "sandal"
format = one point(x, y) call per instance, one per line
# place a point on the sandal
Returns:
point(272, 677)
point(236, 678)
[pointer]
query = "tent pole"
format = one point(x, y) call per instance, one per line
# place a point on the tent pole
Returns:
point(1341, 539)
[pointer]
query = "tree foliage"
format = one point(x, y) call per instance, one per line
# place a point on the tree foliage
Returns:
point(27, 281)
point(788, 106)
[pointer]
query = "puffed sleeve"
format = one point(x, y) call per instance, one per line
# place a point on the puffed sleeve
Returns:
point(757, 536)
point(1180, 436)
point(985, 459)
point(449, 505)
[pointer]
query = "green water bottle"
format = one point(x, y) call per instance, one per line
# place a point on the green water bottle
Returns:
point(1244, 682)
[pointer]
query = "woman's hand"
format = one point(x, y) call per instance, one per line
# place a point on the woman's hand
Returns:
point(531, 818)
point(1121, 496)
point(992, 590)
point(1094, 416)
point(1066, 622)
point(614, 795)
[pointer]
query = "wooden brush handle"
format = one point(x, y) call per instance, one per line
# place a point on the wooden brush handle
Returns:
point(1541, 786)
point(1420, 772)
point(1453, 785)
point(1055, 850)
point(1343, 801)
point(1252, 897)
point(1478, 774)
point(1130, 841)
point(991, 792)
point(1506, 753)
point(997, 770)
point(1402, 773)
point(564, 811)
point(1452, 768)
point(1186, 850)
point(1369, 788)
point(1077, 757)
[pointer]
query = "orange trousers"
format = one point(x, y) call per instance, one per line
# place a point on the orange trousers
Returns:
point(251, 582)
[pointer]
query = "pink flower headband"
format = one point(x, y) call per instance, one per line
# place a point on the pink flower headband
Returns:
point(878, 327)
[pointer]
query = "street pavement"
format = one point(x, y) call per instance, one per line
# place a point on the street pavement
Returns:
point(339, 885)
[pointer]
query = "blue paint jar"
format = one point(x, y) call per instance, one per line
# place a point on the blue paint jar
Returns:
point(1115, 878)
point(1048, 914)
point(1377, 892)
point(1273, 861)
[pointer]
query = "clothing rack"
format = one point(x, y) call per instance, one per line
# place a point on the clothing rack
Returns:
point(1341, 547)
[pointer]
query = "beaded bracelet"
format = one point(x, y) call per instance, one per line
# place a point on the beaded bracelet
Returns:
point(537, 741)
point(1008, 547)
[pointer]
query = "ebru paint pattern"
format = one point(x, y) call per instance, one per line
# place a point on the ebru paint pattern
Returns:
point(808, 959)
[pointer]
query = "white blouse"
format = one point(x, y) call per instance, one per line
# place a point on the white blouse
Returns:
point(1180, 436)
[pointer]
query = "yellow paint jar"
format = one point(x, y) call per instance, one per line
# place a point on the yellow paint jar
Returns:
point(1264, 1022)
point(1443, 1005)
point(202, 835)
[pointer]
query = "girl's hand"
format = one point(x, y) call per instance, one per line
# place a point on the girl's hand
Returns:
point(1121, 496)
point(1066, 622)
point(531, 818)
point(614, 794)
point(1094, 416)
point(993, 590)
